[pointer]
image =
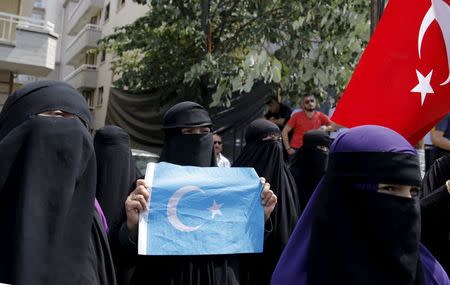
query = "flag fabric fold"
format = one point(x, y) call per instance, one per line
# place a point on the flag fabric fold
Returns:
point(201, 210)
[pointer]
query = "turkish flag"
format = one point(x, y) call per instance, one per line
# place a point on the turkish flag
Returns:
point(403, 78)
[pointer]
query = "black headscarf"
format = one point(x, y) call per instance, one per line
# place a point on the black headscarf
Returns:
point(116, 177)
point(310, 163)
point(47, 188)
point(193, 149)
point(266, 157)
point(435, 206)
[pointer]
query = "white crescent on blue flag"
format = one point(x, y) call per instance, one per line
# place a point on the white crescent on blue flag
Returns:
point(201, 210)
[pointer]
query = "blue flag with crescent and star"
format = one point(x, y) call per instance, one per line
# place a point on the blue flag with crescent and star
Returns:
point(201, 210)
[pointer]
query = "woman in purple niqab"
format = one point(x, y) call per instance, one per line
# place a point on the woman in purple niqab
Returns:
point(350, 233)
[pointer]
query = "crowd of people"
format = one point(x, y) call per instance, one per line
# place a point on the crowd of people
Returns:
point(351, 211)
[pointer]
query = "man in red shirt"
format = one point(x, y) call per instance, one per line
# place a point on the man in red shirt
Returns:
point(301, 122)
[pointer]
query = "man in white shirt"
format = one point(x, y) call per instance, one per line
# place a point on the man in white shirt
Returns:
point(222, 161)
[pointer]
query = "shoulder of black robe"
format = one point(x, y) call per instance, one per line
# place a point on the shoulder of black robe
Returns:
point(436, 176)
point(309, 164)
point(351, 234)
point(435, 206)
point(194, 150)
point(116, 177)
point(47, 188)
point(266, 157)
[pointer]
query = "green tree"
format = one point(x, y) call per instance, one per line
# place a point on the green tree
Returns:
point(304, 46)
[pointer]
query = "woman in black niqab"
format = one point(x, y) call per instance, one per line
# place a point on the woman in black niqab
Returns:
point(116, 177)
point(362, 225)
point(263, 151)
point(194, 149)
point(47, 188)
point(435, 206)
point(309, 163)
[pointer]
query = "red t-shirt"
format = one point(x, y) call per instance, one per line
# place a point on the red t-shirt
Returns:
point(300, 123)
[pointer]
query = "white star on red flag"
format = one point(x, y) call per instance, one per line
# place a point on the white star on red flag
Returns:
point(424, 86)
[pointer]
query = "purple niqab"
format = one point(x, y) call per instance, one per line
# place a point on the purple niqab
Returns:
point(292, 266)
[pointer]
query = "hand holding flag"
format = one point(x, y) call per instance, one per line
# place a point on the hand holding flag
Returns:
point(174, 212)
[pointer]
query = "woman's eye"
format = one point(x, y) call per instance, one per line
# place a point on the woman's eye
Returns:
point(414, 192)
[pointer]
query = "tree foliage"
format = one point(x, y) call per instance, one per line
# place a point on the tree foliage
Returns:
point(304, 46)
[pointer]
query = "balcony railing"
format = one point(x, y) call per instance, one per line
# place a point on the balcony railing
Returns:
point(82, 13)
point(83, 77)
point(9, 23)
point(88, 27)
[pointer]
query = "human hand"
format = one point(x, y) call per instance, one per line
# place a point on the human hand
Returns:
point(268, 199)
point(136, 202)
point(290, 151)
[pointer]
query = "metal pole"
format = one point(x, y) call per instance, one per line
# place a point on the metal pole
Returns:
point(376, 10)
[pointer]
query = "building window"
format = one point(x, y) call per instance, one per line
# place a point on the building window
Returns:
point(37, 16)
point(120, 4)
point(89, 96)
point(90, 59)
point(39, 4)
point(93, 20)
point(107, 12)
point(100, 97)
point(103, 56)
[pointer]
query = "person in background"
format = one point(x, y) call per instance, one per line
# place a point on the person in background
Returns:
point(309, 163)
point(116, 177)
point(440, 138)
point(301, 122)
point(188, 141)
point(362, 224)
point(263, 151)
point(278, 113)
point(221, 160)
point(435, 206)
point(53, 229)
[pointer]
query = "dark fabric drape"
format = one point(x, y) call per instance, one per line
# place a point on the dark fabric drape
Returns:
point(435, 206)
point(141, 115)
point(266, 157)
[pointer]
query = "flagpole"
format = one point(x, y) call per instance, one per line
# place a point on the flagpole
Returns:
point(376, 10)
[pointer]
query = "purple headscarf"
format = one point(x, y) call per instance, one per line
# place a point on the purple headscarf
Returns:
point(293, 265)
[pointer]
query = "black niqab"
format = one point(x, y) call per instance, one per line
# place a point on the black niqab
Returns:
point(435, 206)
point(309, 164)
point(192, 149)
point(266, 157)
point(116, 177)
point(47, 189)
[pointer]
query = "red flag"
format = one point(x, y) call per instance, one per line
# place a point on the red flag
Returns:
point(403, 78)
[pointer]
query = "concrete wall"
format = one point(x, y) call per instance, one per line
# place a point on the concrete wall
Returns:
point(10, 6)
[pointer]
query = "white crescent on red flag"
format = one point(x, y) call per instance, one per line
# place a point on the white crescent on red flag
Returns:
point(403, 78)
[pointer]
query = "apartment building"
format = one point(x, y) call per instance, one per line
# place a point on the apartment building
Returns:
point(28, 44)
point(85, 22)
